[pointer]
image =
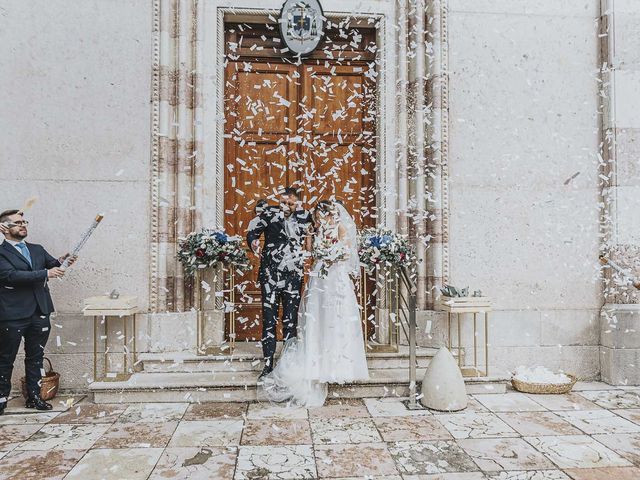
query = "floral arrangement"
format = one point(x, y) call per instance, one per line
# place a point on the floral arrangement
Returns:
point(209, 248)
point(381, 247)
point(327, 252)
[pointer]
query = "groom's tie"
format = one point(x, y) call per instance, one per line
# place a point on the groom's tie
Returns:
point(25, 252)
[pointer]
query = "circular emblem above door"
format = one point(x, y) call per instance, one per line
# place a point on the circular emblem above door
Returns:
point(301, 25)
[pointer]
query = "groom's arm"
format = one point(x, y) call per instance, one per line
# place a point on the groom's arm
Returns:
point(257, 226)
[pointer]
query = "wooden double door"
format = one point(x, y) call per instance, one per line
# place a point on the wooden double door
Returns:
point(310, 125)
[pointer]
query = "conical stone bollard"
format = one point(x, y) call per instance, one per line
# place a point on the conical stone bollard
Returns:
point(443, 386)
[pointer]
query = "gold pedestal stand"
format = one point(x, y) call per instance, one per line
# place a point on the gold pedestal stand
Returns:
point(229, 299)
point(388, 290)
point(459, 306)
point(125, 308)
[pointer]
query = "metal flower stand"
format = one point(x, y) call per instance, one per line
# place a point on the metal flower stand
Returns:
point(123, 308)
point(457, 307)
point(228, 304)
point(389, 297)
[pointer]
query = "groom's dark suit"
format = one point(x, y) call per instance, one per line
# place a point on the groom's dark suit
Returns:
point(281, 270)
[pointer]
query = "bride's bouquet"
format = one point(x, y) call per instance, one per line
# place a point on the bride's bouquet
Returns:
point(327, 252)
point(210, 248)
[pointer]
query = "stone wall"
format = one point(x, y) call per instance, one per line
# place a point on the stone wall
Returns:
point(524, 194)
point(75, 132)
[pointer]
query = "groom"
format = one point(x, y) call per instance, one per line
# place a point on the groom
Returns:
point(281, 266)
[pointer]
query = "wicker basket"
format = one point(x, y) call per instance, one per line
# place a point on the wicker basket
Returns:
point(541, 388)
point(50, 383)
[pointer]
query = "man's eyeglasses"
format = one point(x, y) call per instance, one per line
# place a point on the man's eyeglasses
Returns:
point(19, 223)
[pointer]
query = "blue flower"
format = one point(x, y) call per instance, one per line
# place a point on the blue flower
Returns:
point(379, 241)
point(221, 237)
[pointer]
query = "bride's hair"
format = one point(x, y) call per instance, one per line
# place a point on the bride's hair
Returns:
point(325, 206)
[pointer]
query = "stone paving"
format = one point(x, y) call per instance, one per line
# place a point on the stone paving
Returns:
point(591, 434)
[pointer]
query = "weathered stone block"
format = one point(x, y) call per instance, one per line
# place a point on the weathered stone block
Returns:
point(620, 366)
point(620, 326)
point(627, 101)
point(514, 328)
point(582, 361)
point(431, 329)
point(571, 8)
point(168, 332)
point(569, 327)
point(628, 155)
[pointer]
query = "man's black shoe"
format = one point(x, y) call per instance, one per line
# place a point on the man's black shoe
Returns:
point(268, 367)
point(3, 405)
point(38, 404)
point(266, 371)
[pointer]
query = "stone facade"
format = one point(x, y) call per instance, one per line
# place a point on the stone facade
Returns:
point(499, 110)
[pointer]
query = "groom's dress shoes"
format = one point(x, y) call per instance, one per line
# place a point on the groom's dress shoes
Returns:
point(268, 368)
point(38, 404)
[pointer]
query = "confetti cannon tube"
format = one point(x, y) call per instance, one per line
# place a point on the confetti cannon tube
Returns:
point(83, 240)
point(625, 273)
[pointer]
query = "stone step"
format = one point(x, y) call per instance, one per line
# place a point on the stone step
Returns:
point(198, 387)
point(248, 358)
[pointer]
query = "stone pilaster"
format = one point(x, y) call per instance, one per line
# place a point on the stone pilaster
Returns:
point(620, 175)
point(175, 156)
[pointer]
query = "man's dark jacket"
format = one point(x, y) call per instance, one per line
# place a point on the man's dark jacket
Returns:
point(23, 288)
point(276, 242)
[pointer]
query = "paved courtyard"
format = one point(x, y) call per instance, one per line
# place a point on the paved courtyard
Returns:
point(591, 434)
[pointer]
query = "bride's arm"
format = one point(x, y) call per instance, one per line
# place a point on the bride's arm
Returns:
point(342, 236)
point(308, 239)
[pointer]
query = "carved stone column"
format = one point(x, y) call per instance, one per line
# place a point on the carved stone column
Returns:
point(437, 149)
point(175, 149)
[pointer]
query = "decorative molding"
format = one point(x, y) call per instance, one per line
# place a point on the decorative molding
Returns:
point(436, 259)
point(220, 113)
point(155, 158)
point(381, 110)
point(444, 147)
point(265, 12)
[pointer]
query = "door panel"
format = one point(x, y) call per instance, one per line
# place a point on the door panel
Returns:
point(336, 100)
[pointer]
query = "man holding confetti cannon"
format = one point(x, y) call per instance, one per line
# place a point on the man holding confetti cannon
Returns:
point(25, 304)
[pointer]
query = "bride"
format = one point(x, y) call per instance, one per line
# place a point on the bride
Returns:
point(329, 347)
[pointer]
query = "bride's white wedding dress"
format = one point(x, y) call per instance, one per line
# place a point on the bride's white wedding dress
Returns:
point(330, 346)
